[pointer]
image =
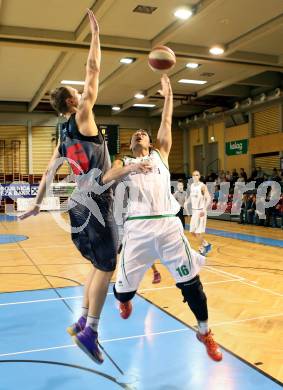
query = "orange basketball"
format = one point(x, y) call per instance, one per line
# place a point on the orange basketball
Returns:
point(161, 59)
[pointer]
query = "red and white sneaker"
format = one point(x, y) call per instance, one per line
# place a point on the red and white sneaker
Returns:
point(212, 347)
point(125, 309)
point(156, 277)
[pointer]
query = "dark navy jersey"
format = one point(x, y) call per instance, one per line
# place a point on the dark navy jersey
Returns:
point(88, 152)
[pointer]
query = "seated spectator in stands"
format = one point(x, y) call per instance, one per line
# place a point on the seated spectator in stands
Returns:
point(243, 209)
point(279, 210)
point(275, 175)
point(270, 212)
point(235, 176)
point(250, 209)
point(260, 173)
point(259, 216)
point(260, 178)
point(243, 174)
point(228, 176)
point(242, 177)
point(216, 194)
point(211, 177)
point(253, 175)
point(221, 177)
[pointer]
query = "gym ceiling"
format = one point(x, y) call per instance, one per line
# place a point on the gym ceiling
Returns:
point(44, 42)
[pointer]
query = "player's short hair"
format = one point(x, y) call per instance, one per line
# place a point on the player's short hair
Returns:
point(58, 99)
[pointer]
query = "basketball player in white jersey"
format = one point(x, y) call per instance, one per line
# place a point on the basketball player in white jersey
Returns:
point(152, 230)
point(200, 199)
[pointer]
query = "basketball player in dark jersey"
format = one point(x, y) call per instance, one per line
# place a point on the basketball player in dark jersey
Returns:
point(93, 228)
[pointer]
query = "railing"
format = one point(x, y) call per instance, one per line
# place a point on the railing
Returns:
point(210, 165)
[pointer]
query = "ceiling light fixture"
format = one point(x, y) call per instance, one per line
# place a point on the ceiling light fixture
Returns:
point(187, 81)
point(192, 65)
point(127, 60)
point(183, 13)
point(144, 105)
point(139, 95)
point(72, 82)
point(116, 108)
point(216, 50)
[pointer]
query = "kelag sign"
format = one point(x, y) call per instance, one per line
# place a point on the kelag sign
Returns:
point(237, 147)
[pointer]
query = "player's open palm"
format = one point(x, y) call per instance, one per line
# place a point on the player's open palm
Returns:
point(166, 89)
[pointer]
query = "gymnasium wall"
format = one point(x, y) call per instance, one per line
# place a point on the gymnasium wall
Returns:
point(264, 133)
point(43, 129)
point(195, 137)
point(217, 131)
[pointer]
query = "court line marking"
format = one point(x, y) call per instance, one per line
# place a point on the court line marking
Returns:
point(111, 293)
point(101, 341)
point(134, 337)
point(244, 281)
point(245, 320)
point(218, 271)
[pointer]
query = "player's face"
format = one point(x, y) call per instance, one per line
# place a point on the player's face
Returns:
point(140, 138)
point(180, 187)
point(196, 177)
point(76, 97)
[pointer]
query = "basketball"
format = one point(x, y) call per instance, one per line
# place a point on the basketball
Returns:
point(161, 59)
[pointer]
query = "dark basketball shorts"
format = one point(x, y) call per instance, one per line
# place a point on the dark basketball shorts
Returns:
point(96, 242)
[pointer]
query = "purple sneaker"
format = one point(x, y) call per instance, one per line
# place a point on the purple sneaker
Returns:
point(77, 327)
point(87, 341)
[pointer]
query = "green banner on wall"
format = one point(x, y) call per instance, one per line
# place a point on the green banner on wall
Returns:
point(237, 147)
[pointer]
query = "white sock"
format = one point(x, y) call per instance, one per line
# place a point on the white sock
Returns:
point(92, 322)
point(204, 243)
point(84, 311)
point(203, 327)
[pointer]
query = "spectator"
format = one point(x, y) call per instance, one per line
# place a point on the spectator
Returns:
point(228, 176)
point(242, 177)
point(275, 175)
point(250, 209)
point(221, 177)
point(243, 209)
point(235, 176)
point(211, 177)
point(243, 174)
point(253, 175)
point(260, 173)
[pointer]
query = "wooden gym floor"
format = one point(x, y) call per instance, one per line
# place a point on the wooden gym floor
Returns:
point(242, 280)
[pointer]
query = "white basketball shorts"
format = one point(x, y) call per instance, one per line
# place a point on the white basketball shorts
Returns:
point(146, 240)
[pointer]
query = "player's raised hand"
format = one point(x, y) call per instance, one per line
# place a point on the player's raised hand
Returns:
point(166, 89)
point(32, 211)
point(93, 22)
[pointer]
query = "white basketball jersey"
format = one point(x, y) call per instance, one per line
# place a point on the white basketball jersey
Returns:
point(150, 193)
point(197, 198)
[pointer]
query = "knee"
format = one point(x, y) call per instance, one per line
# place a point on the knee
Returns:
point(192, 291)
point(123, 296)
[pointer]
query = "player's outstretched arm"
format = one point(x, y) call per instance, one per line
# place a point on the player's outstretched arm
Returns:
point(84, 114)
point(44, 183)
point(164, 136)
point(118, 171)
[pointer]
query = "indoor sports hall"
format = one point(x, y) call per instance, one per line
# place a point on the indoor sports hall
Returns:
point(224, 62)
